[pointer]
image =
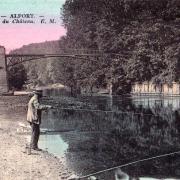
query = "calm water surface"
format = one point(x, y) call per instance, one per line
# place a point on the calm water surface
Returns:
point(133, 128)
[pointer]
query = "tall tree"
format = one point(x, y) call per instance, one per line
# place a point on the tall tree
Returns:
point(17, 77)
point(142, 32)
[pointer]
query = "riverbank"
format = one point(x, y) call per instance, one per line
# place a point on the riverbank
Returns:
point(15, 162)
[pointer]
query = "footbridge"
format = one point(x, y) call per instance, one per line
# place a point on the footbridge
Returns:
point(9, 60)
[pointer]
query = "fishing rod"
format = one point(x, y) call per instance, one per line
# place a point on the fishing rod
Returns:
point(103, 111)
point(127, 164)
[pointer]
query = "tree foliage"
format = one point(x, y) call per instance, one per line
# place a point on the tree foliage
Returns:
point(17, 77)
point(144, 35)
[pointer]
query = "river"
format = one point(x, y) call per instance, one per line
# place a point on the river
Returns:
point(98, 132)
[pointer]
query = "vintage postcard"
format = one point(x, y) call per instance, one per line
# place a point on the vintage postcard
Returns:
point(90, 89)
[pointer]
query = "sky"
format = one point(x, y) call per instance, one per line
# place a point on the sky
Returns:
point(15, 35)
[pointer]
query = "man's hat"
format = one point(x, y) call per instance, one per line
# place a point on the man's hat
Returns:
point(38, 92)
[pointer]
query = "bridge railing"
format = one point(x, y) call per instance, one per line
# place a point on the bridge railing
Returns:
point(17, 58)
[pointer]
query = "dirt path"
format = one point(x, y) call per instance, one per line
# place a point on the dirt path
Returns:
point(16, 164)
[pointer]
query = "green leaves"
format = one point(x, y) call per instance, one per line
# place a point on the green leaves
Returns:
point(144, 33)
point(17, 77)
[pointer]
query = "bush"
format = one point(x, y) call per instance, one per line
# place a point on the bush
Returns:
point(17, 77)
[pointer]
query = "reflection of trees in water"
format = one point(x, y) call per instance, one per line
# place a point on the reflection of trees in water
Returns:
point(104, 140)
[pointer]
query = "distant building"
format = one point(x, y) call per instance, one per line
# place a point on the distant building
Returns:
point(152, 89)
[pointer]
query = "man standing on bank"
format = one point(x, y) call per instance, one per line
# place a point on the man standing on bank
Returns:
point(34, 117)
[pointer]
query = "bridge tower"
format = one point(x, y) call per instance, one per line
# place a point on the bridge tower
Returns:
point(3, 72)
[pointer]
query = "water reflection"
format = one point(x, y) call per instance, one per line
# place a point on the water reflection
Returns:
point(153, 102)
point(120, 175)
point(54, 144)
point(132, 131)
